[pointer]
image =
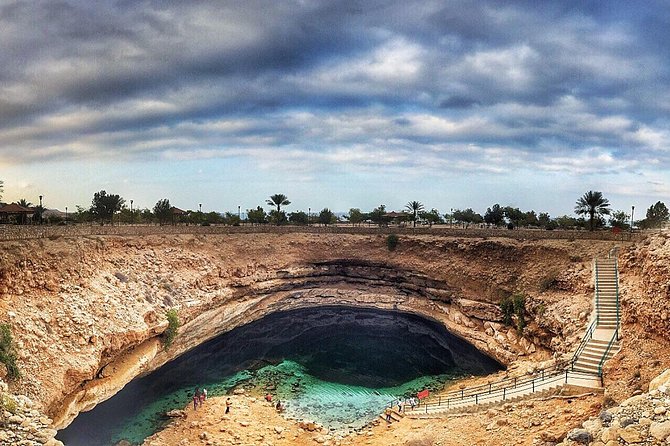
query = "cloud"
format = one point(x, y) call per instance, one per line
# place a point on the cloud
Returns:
point(346, 85)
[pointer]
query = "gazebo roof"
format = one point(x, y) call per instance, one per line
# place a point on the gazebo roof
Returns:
point(16, 209)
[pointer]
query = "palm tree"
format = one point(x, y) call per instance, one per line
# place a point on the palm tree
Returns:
point(414, 207)
point(278, 200)
point(592, 203)
point(25, 203)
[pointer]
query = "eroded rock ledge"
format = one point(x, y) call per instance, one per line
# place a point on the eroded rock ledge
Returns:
point(87, 311)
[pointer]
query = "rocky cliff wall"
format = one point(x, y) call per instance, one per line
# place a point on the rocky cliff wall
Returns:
point(87, 311)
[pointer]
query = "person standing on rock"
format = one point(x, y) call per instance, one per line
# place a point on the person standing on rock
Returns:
point(228, 404)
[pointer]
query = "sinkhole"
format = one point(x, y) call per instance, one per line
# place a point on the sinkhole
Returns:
point(338, 366)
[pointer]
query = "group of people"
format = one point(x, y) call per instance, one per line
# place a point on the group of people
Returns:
point(388, 412)
point(279, 406)
point(199, 397)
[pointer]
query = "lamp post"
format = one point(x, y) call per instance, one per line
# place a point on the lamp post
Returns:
point(451, 217)
point(632, 212)
point(41, 209)
point(199, 207)
point(66, 215)
point(132, 216)
point(309, 216)
point(239, 214)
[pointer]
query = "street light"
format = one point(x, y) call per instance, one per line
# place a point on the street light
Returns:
point(131, 212)
point(309, 216)
point(632, 212)
point(41, 209)
point(65, 214)
point(238, 213)
point(199, 207)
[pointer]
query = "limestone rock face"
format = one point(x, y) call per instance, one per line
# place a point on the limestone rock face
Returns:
point(87, 313)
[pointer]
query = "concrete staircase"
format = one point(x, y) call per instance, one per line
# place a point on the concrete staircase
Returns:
point(600, 343)
point(604, 342)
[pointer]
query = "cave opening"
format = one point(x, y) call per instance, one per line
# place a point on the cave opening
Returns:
point(336, 365)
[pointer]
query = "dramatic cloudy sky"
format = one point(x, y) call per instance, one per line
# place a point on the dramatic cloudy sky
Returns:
point(336, 103)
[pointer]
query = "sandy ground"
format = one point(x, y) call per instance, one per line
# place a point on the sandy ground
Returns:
point(253, 421)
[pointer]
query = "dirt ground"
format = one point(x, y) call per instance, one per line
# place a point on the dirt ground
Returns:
point(255, 421)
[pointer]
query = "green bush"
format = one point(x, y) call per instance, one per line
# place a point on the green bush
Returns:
point(7, 352)
point(511, 306)
point(507, 308)
point(519, 304)
point(392, 242)
point(171, 330)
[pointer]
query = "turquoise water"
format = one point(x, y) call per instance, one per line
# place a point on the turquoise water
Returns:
point(333, 365)
point(338, 407)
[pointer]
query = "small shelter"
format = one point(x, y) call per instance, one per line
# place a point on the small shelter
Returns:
point(14, 213)
point(398, 218)
point(177, 214)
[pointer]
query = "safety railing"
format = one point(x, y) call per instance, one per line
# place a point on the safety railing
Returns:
point(597, 294)
point(585, 340)
point(610, 345)
point(467, 397)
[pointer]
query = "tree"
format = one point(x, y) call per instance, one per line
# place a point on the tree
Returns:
point(256, 216)
point(163, 211)
point(657, 214)
point(545, 221)
point(494, 215)
point(530, 219)
point(619, 219)
point(594, 205)
point(377, 215)
point(104, 206)
point(467, 217)
point(414, 207)
point(433, 217)
point(513, 215)
point(327, 217)
point(298, 218)
point(356, 216)
point(231, 219)
point(278, 200)
point(25, 203)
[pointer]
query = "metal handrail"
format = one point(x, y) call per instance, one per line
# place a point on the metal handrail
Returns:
point(618, 311)
point(597, 294)
point(615, 338)
point(505, 392)
point(587, 337)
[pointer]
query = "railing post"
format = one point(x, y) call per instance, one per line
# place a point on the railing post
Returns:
point(566, 375)
point(447, 403)
point(439, 400)
point(489, 387)
point(504, 392)
point(476, 398)
point(462, 393)
point(533, 385)
point(515, 382)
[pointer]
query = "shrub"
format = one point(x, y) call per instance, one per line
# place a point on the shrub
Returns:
point(7, 352)
point(173, 326)
point(519, 304)
point(507, 308)
point(7, 403)
point(392, 242)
